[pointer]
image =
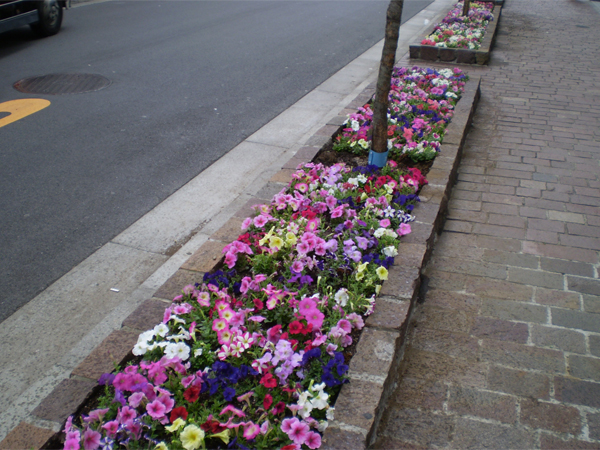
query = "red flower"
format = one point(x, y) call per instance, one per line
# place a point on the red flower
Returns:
point(212, 426)
point(278, 409)
point(178, 412)
point(296, 327)
point(268, 381)
point(268, 401)
point(191, 394)
point(258, 304)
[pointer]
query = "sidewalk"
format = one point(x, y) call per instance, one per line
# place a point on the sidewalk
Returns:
point(505, 350)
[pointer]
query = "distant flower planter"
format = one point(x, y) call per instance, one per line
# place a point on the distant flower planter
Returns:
point(480, 56)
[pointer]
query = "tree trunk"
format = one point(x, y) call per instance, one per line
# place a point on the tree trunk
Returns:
point(388, 57)
point(466, 7)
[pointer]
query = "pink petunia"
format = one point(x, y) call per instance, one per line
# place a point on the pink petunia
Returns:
point(313, 440)
point(260, 221)
point(315, 318)
point(306, 305)
point(126, 414)
point(156, 409)
point(404, 229)
point(299, 432)
point(71, 444)
point(384, 223)
point(111, 428)
point(91, 439)
point(286, 425)
point(251, 430)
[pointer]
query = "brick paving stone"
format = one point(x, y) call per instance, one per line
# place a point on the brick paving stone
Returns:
point(550, 442)
point(498, 289)
point(593, 421)
point(511, 259)
point(591, 303)
point(584, 367)
point(535, 278)
point(558, 338)
point(561, 299)
point(508, 310)
point(420, 393)
point(472, 434)
point(501, 330)
point(578, 392)
point(423, 428)
point(549, 416)
point(567, 267)
point(522, 356)
point(583, 285)
point(452, 344)
point(518, 382)
point(575, 320)
point(484, 404)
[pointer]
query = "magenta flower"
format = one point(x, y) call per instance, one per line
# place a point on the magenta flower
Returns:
point(126, 414)
point(71, 444)
point(315, 318)
point(299, 432)
point(111, 428)
point(251, 430)
point(156, 409)
point(404, 229)
point(260, 221)
point(306, 305)
point(313, 440)
point(91, 439)
point(286, 425)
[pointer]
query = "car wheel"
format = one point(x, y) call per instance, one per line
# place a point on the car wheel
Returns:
point(50, 15)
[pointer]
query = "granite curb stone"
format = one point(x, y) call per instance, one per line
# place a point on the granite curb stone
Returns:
point(374, 367)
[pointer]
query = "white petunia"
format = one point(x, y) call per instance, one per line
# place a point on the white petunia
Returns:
point(178, 349)
point(161, 329)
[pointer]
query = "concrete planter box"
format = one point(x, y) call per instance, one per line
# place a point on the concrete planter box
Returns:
point(374, 366)
point(460, 55)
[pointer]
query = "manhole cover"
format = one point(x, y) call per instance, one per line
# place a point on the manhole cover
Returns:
point(62, 83)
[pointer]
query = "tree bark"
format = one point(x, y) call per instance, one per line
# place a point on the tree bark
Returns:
point(388, 57)
point(466, 7)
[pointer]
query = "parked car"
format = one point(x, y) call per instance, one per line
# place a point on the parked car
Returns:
point(43, 16)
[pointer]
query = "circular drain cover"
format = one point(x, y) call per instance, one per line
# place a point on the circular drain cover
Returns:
point(62, 83)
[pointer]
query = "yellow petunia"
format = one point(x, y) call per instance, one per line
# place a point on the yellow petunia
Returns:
point(179, 422)
point(382, 273)
point(192, 437)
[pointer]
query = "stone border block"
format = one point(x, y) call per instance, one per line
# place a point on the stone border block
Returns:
point(146, 316)
point(460, 55)
point(209, 254)
point(114, 349)
point(64, 400)
point(26, 435)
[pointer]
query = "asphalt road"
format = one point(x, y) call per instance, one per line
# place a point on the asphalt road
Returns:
point(189, 81)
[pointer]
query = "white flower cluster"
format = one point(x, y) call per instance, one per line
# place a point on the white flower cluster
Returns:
point(171, 346)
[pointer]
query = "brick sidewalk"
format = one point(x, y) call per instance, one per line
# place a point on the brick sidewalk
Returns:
point(505, 352)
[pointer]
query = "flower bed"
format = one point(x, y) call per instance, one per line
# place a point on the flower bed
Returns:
point(421, 106)
point(254, 356)
point(464, 39)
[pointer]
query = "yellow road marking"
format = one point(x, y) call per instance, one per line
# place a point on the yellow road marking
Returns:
point(18, 109)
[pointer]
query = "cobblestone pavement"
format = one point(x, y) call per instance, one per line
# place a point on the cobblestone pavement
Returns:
point(505, 352)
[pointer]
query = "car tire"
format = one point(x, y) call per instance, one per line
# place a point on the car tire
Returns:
point(50, 15)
